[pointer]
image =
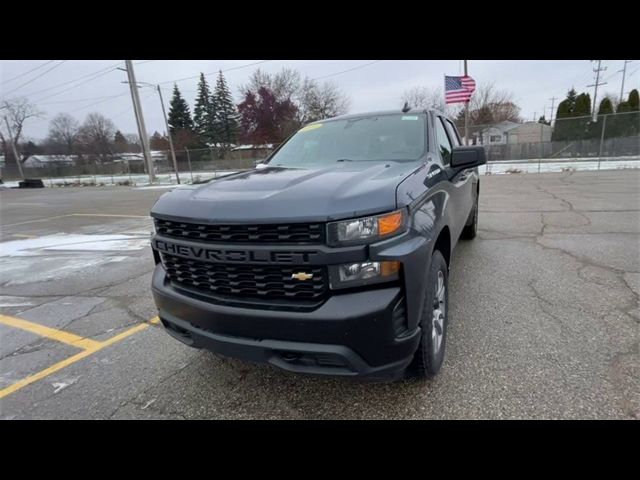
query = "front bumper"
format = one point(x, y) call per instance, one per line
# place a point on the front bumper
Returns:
point(351, 334)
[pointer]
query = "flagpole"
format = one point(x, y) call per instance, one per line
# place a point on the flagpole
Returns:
point(466, 112)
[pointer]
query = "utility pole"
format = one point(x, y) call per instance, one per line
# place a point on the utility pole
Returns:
point(553, 103)
point(595, 85)
point(166, 122)
point(466, 112)
point(13, 147)
point(142, 129)
point(624, 73)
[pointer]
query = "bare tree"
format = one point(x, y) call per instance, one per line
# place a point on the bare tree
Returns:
point(429, 98)
point(63, 131)
point(96, 135)
point(318, 101)
point(490, 105)
point(313, 100)
point(424, 97)
point(284, 85)
point(17, 111)
point(133, 142)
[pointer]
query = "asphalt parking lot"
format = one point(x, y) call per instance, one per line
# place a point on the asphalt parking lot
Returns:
point(544, 307)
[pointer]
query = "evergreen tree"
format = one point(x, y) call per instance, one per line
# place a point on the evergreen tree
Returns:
point(582, 126)
point(582, 107)
point(566, 108)
point(158, 141)
point(543, 120)
point(634, 100)
point(627, 123)
point(227, 115)
point(120, 142)
point(561, 130)
point(179, 114)
point(204, 112)
point(606, 107)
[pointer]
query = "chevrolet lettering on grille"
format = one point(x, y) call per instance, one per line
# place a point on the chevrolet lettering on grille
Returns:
point(235, 255)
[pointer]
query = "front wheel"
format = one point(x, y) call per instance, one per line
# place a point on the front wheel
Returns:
point(430, 353)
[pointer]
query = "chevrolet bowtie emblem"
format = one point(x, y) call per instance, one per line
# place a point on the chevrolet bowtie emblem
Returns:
point(302, 276)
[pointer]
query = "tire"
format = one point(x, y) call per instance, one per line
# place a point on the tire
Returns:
point(470, 230)
point(430, 353)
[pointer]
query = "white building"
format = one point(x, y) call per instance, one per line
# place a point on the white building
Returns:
point(510, 133)
point(42, 161)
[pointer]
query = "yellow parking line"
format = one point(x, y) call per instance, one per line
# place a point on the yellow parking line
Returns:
point(36, 220)
point(106, 215)
point(75, 358)
point(46, 372)
point(52, 333)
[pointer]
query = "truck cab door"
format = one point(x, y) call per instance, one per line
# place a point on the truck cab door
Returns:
point(461, 180)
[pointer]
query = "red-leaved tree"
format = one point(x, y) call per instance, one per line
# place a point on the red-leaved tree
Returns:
point(265, 119)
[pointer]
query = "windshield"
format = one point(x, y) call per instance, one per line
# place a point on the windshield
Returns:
point(372, 138)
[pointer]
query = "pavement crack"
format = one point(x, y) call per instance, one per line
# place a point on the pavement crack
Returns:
point(40, 343)
point(567, 204)
point(547, 307)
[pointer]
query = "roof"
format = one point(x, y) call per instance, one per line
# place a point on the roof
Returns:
point(267, 146)
point(503, 126)
point(399, 111)
point(51, 158)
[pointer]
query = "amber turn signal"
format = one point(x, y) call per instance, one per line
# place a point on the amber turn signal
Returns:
point(390, 223)
point(389, 268)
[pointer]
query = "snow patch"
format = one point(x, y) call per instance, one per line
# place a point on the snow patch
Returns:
point(72, 242)
point(7, 301)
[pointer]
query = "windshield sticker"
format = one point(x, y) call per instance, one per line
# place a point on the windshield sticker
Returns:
point(410, 117)
point(311, 127)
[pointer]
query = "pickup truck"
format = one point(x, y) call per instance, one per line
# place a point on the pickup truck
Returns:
point(332, 256)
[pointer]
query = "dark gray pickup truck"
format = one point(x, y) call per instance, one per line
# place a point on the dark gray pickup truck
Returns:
point(331, 257)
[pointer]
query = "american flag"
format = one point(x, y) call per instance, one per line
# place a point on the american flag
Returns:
point(458, 89)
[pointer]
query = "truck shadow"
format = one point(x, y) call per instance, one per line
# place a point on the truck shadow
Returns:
point(263, 391)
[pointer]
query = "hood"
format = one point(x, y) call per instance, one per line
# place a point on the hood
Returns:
point(276, 194)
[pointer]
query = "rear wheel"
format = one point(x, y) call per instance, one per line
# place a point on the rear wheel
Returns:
point(430, 353)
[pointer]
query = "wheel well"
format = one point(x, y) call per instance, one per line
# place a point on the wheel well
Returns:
point(443, 244)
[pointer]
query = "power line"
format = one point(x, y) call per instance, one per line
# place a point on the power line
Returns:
point(213, 73)
point(97, 103)
point(595, 86)
point(553, 103)
point(624, 72)
point(130, 107)
point(76, 100)
point(345, 71)
point(33, 79)
point(94, 77)
point(28, 71)
point(97, 73)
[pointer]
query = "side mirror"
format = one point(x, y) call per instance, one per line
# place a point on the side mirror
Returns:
point(468, 157)
point(261, 166)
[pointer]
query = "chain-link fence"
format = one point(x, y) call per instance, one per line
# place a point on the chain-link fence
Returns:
point(580, 143)
point(194, 165)
point(575, 142)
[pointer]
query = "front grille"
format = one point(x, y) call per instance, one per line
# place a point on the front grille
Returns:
point(269, 282)
point(291, 233)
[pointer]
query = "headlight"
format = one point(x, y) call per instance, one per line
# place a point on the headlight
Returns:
point(365, 229)
point(362, 273)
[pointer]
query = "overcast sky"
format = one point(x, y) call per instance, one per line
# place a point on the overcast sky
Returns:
point(79, 87)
